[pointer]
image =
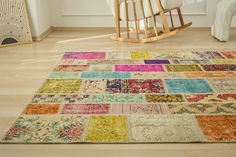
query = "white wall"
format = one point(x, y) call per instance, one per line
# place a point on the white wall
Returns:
point(40, 16)
point(95, 13)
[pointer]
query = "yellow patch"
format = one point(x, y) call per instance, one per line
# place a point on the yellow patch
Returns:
point(140, 55)
point(106, 129)
point(58, 86)
point(224, 61)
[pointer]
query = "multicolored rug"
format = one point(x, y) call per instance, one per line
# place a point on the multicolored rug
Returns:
point(133, 97)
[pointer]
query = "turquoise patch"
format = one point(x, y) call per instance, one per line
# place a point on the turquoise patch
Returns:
point(188, 86)
point(105, 75)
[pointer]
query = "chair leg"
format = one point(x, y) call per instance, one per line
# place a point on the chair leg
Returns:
point(117, 16)
point(127, 19)
point(166, 28)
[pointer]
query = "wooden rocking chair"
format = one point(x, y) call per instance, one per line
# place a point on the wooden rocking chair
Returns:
point(146, 11)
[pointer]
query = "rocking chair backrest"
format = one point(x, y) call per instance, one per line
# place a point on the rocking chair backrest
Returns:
point(145, 5)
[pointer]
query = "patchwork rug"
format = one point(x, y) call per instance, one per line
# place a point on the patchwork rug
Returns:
point(133, 97)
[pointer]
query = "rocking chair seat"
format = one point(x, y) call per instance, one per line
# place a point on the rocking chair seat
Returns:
point(166, 4)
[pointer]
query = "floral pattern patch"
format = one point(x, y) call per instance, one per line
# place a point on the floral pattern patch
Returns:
point(94, 86)
point(145, 86)
point(60, 129)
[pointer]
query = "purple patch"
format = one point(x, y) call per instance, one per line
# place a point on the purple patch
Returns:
point(156, 61)
point(84, 55)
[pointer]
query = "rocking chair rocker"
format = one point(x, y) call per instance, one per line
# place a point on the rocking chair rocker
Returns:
point(146, 11)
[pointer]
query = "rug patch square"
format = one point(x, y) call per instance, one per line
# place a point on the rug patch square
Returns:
point(84, 55)
point(218, 128)
point(116, 86)
point(139, 68)
point(219, 67)
point(145, 86)
point(156, 61)
point(205, 98)
point(209, 55)
point(86, 109)
point(190, 62)
point(73, 62)
point(210, 74)
point(224, 85)
point(117, 98)
point(102, 68)
point(61, 99)
point(176, 55)
point(167, 98)
point(87, 75)
point(213, 108)
point(139, 109)
point(41, 109)
point(64, 75)
point(57, 86)
point(224, 61)
point(230, 55)
point(164, 128)
point(182, 68)
point(59, 129)
point(94, 86)
point(71, 68)
point(140, 55)
point(107, 129)
point(188, 86)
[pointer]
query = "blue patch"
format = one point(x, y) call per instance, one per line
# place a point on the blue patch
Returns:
point(105, 75)
point(188, 86)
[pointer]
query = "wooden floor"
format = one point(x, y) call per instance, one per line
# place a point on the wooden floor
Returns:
point(24, 68)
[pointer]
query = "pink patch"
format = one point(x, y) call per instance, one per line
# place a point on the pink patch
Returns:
point(84, 55)
point(86, 109)
point(139, 68)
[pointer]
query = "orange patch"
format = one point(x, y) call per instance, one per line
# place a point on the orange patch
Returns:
point(210, 74)
point(42, 109)
point(218, 128)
